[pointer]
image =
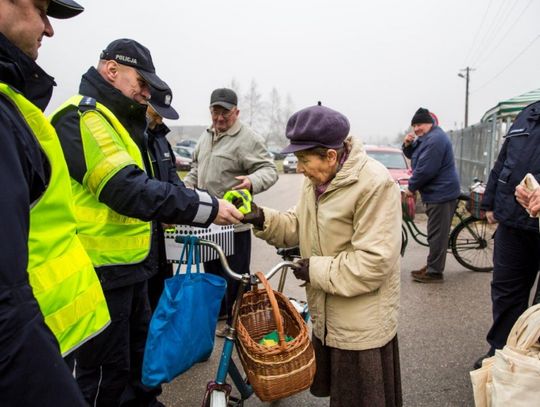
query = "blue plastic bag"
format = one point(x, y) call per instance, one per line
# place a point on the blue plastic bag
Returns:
point(183, 326)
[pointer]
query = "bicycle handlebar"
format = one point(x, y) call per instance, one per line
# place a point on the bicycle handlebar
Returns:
point(223, 259)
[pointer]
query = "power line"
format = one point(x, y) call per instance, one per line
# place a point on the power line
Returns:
point(508, 65)
point(478, 31)
point(504, 36)
point(487, 33)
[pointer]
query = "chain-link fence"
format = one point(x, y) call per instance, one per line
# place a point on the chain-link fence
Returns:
point(475, 150)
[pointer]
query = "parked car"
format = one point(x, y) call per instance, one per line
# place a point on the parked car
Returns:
point(183, 158)
point(187, 143)
point(394, 160)
point(289, 163)
point(277, 154)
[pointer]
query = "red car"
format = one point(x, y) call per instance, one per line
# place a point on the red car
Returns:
point(394, 160)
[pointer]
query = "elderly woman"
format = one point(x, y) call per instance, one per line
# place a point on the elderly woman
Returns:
point(348, 225)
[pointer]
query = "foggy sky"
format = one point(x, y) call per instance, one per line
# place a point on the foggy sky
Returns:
point(376, 62)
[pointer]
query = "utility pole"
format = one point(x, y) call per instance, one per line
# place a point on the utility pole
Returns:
point(467, 78)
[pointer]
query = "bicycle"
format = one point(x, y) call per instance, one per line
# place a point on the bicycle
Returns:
point(218, 391)
point(470, 240)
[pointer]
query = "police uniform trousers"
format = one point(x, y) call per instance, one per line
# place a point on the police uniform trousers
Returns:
point(516, 260)
point(108, 367)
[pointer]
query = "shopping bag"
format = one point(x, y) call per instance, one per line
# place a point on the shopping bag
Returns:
point(512, 376)
point(183, 326)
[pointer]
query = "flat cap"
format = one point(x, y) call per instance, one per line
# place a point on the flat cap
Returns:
point(316, 126)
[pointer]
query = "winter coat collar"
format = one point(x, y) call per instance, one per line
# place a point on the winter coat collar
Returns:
point(22, 73)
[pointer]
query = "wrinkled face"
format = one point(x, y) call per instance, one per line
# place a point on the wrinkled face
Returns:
point(131, 84)
point(422, 129)
point(318, 169)
point(24, 23)
point(223, 119)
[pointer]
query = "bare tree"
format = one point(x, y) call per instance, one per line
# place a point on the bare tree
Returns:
point(253, 106)
point(275, 126)
point(235, 85)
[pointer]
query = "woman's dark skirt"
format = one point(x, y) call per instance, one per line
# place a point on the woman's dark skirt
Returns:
point(366, 378)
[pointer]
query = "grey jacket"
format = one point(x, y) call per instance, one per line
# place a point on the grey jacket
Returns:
point(217, 160)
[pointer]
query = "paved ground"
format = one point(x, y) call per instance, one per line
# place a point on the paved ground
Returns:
point(441, 332)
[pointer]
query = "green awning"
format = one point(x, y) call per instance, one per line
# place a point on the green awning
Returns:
point(511, 107)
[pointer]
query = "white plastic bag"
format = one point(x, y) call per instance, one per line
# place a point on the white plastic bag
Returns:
point(512, 376)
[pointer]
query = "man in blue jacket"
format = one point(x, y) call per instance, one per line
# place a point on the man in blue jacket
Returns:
point(435, 177)
point(516, 255)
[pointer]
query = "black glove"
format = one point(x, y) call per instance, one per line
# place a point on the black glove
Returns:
point(255, 217)
point(302, 271)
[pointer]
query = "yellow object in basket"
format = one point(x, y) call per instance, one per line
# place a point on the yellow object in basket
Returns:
point(268, 342)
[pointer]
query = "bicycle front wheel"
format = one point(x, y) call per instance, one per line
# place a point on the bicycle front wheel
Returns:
point(472, 244)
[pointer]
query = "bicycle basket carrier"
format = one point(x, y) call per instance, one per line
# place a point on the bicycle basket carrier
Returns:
point(221, 235)
point(473, 204)
point(275, 371)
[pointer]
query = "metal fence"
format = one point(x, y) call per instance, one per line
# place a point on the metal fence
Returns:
point(475, 150)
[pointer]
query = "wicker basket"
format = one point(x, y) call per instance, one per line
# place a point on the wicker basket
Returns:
point(281, 370)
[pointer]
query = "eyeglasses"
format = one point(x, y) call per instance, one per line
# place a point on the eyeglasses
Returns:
point(221, 112)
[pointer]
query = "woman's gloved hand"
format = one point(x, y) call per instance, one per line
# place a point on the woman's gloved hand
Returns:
point(255, 217)
point(302, 271)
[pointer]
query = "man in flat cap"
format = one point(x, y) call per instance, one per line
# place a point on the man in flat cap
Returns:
point(102, 131)
point(38, 242)
point(230, 155)
point(435, 177)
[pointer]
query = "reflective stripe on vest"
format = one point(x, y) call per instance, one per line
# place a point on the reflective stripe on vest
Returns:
point(60, 272)
point(108, 237)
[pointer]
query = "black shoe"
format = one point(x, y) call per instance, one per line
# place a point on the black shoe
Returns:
point(478, 363)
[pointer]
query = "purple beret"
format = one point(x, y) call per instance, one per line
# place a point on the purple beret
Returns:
point(316, 126)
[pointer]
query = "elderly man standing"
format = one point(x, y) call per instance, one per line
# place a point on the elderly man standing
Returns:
point(230, 155)
point(50, 297)
point(435, 176)
point(102, 131)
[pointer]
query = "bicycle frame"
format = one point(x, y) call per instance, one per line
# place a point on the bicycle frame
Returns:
point(408, 226)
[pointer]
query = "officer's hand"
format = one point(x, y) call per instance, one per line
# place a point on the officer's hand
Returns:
point(245, 183)
point(227, 214)
point(255, 217)
point(534, 202)
point(490, 217)
point(301, 272)
point(523, 196)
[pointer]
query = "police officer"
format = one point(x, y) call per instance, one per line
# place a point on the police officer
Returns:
point(38, 245)
point(516, 256)
point(102, 132)
point(164, 169)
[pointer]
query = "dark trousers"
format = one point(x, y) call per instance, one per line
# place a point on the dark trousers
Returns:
point(156, 283)
point(438, 227)
point(516, 259)
point(239, 263)
point(108, 367)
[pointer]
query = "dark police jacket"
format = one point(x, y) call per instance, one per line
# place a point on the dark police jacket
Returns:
point(30, 352)
point(519, 155)
point(130, 192)
point(164, 169)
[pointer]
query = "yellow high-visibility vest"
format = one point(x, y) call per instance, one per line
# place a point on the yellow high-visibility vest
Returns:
point(108, 237)
point(60, 272)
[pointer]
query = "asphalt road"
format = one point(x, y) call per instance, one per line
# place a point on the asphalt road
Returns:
point(441, 330)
